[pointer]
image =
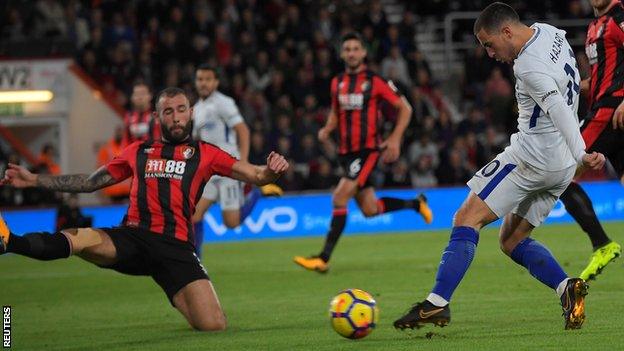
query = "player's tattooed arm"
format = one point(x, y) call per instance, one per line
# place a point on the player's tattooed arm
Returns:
point(76, 183)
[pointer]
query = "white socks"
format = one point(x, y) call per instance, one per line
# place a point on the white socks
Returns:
point(438, 300)
point(561, 287)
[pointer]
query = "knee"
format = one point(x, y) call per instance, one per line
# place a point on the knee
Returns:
point(82, 239)
point(505, 248)
point(231, 219)
point(339, 200)
point(507, 243)
point(467, 217)
point(460, 217)
point(369, 211)
point(214, 323)
point(231, 223)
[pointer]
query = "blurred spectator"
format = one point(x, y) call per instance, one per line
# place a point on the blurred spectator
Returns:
point(284, 146)
point(475, 155)
point(394, 65)
point(393, 39)
point(475, 122)
point(258, 150)
point(445, 130)
point(77, 27)
point(422, 174)
point(45, 160)
point(139, 122)
point(283, 129)
point(416, 61)
point(50, 18)
point(423, 148)
point(307, 149)
point(14, 27)
point(407, 29)
point(325, 25)
point(376, 18)
point(453, 173)
point(398, 176)
point(421, 109)
point(120, 191)
point(477, 67)
point(323, 177)
point(498, 97)
point(497, 86)
point(373, 42)
point(223, 45)
point(119, 31)
point(259, 74)
point(492, 144)
point(70, 216)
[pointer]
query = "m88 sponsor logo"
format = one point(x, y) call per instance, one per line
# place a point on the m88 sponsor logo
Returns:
point(161, 168)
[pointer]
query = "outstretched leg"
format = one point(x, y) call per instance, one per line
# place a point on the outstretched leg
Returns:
point(456, 259)
point(90, 244)
point(372, 206)
point(199, 304)
point(580, 207)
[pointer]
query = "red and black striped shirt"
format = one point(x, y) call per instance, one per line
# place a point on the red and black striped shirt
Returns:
point(604, 47)
point(140, 126)
point(167, 183)
point(355, 99)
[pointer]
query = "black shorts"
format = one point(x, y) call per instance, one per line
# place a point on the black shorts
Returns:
point(600, 136)
point(359, 166)
point(172, 263)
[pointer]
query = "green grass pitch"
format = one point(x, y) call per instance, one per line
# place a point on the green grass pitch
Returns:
point(272, 304)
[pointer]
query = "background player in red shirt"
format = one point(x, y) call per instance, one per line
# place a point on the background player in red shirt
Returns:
point(139, 123)
point(603, 128)
point(156, 237)
point(356, 95)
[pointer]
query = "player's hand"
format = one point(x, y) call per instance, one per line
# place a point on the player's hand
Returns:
point(18, 177)
point(323, 135)
point(276, 163)
point(391, 149)
point(618, 117)
point(594, 161)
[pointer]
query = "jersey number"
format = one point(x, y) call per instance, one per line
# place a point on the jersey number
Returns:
point(573, 89)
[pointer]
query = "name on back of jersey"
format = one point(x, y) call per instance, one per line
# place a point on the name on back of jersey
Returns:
point(162, 168)
point(556, 48)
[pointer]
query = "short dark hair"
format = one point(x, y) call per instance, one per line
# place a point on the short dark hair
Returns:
point(169, 92)
point(352, 36)
point(493, 17)
point(208, 67)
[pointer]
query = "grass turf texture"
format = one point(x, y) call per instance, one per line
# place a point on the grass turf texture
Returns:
point(272, 304)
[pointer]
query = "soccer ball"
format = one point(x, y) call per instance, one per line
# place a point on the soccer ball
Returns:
point(353, 313)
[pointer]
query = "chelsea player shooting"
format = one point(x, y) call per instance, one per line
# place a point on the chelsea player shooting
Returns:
point(523, 182)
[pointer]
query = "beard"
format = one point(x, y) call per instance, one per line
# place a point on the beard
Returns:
point(179, 137)
point(355, 64)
